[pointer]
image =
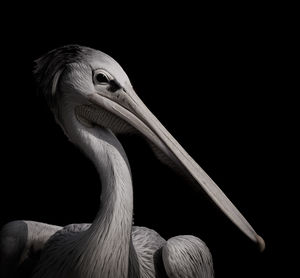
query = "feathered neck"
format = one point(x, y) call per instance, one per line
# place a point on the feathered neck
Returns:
point(105, 246)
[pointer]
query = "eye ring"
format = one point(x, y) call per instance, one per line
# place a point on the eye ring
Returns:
point(101, 77)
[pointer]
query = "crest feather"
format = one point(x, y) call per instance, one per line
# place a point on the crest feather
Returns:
point(48, 68)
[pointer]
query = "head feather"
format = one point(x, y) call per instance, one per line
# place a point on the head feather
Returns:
point(48, 68)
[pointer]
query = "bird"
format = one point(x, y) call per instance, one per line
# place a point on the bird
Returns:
point(93, 101)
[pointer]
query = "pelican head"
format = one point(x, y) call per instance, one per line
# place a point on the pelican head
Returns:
point(97, 91)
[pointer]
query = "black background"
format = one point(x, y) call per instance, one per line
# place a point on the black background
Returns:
point(210, 74)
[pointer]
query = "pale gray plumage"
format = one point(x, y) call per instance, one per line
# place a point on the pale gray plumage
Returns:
point(92, 100)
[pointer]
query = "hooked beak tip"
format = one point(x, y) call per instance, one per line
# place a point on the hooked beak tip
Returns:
point(261, 243)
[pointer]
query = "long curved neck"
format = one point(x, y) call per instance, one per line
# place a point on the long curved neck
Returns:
point(106, 244)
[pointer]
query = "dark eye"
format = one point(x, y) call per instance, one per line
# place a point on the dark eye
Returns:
point(101, 77)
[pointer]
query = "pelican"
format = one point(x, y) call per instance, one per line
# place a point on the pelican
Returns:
point(93, 100)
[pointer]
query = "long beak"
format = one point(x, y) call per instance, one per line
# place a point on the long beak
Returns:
point(139, 116)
